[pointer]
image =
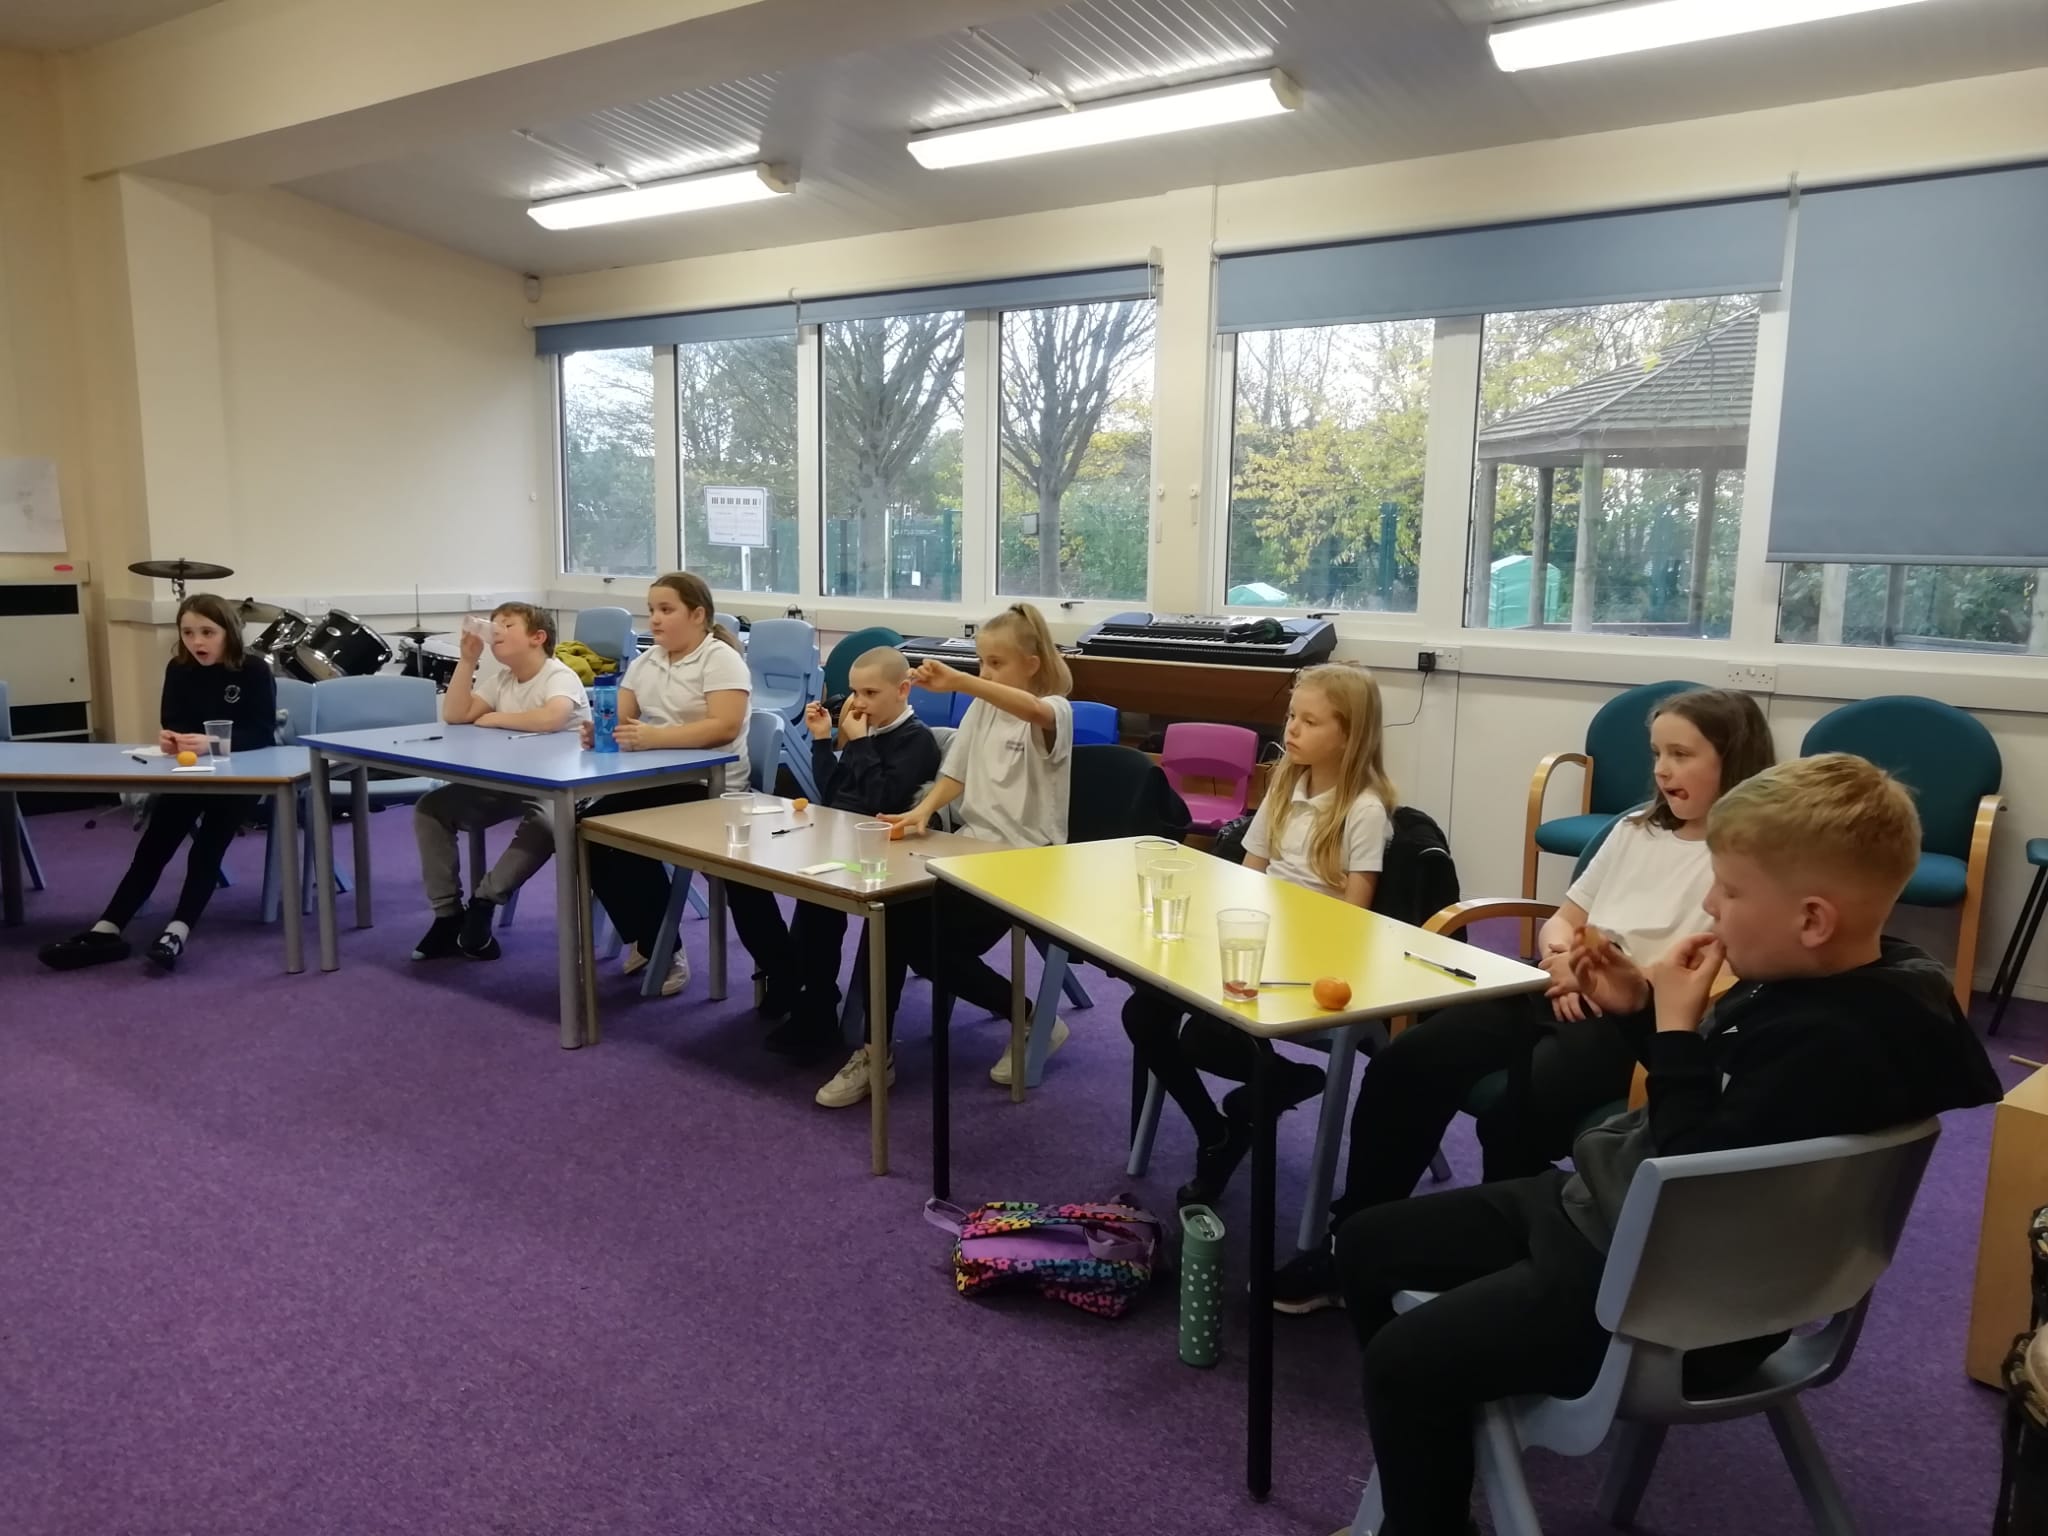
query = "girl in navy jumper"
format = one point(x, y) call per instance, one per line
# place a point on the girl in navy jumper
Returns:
point(210, 677)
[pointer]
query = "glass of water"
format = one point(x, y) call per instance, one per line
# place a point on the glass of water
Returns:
point(220, 737)
point(1241, 935)
point(1169, 882)
point(739, 819)
point(1148, 849)
point(871, 844)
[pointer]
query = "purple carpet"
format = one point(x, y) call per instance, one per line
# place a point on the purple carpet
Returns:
point(367, 1252)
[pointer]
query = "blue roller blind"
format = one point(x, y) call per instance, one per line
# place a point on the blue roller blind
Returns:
point(666, 330)
point(1659, 253)
point(1915, 425)
point(1100, 286)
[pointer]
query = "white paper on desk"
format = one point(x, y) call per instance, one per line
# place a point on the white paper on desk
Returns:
point(145, 751)
point(31, 518)
point(195, 768)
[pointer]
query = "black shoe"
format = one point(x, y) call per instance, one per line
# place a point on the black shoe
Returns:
point(1215, 1162)
point(1293, 1082)
point(475, 939)
point(439, 942)
point(805, 1035)
point(164, 951)
point(1307, 1283)
point(779, 997)
point(82, 949)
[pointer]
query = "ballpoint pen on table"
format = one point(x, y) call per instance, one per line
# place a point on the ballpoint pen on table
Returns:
point(1438, 965)
point(785, 831)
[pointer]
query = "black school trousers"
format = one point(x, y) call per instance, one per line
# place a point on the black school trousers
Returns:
point(211, 821)
point(944, 938)
point(1558, 1073)
point(1517, 1282)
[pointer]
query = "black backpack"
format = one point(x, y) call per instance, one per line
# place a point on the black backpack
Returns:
point(1417, 881)
point(1120, 792)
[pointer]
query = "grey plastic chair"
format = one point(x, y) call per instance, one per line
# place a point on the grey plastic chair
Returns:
point(607, 631)
point(782, 655)
point(1713, 1248)
point(366, 703)
point(29, 861)
point(294, 719)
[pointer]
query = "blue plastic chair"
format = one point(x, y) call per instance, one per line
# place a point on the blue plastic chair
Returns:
point(933, 709)
point(1952, 765)
point(607, 631)
point(295, 706)
point(851, 649)
point(1713, 1248)
point(1617, 765)
point(366, 703)
point(731, 621)
point(1095, 725)
point(961, 704)
point(782, 655)
point(772, 745)
point(29, 861)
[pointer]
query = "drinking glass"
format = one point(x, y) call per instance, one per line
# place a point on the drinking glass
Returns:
point(1148, 849)
point(871, 842)
point(1241, 936)
point(220, 737)
point(1170, 881)
point(739, 819)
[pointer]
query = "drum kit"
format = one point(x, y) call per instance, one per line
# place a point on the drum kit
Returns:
point(340, 645)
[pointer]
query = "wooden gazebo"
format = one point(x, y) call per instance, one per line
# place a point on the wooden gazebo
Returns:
point(1687, 410)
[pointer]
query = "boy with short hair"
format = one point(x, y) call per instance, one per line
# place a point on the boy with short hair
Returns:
point(528, 691)
point(888, 757)
point(1832, 1030)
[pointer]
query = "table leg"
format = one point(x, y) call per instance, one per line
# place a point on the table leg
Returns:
point(323, 861)
point(284, 815)
point(1258, 1450)
point(1020, 1032)
point(359, 824)
point(878, 1038)
point(716, 918)
point(10, 860)
point(587, 946)
point(570, 945)
point(942, 1077)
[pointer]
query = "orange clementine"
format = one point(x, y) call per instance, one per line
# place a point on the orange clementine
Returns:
point(187, 759)
point(896, 831)
point(1331, 992)
point(799, 804)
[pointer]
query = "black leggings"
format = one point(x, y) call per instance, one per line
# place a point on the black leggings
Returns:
point(1178, 1053)
point(633, 890)
point(212, 821)
point(944, 939)
point(1558, 1073)
point(1517, 1282)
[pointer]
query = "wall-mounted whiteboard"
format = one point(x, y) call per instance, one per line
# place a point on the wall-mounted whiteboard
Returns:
point(31, 518)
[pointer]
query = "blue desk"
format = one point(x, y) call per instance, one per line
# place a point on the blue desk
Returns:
point(275, 772)
point(553, 769)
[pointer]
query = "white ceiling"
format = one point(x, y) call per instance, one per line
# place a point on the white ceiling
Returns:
point(57, 26)
point(1384, 80)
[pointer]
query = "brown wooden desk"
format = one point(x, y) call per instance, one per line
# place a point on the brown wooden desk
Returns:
point(692, 836)
point(2015, 1187)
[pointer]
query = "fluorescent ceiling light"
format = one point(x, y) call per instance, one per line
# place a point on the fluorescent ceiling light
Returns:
point(1570, 36)
point(616, 205)
point(1108, 122)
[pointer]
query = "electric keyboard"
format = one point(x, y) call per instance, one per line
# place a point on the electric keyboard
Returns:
point(1235, 642)
point(953, 650)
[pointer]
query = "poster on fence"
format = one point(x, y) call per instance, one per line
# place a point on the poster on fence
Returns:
point(736, 516)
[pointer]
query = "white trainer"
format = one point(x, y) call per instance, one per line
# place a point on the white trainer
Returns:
point(850, 1085)
point(1000, 1072)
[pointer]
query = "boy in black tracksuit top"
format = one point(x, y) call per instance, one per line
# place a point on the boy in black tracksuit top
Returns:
point(1832, 1030)
point(889, 757)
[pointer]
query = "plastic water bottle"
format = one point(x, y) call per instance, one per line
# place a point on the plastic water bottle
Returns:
point(604, 715)
point(1201, 1285)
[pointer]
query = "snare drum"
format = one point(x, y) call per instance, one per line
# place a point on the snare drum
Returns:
point(279, 643)
point(343, 646)
point(437, 657)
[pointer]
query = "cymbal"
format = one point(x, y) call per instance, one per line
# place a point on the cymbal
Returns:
point(181, 570)
point(250, 611)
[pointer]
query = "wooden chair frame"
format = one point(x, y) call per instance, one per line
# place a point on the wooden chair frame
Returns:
point(1539, 787)
point(1973, 897)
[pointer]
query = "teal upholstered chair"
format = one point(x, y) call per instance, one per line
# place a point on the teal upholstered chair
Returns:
point(1615, 774)
point(1951, 763)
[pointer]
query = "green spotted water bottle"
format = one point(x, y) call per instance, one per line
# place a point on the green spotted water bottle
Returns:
point(1201, 1285)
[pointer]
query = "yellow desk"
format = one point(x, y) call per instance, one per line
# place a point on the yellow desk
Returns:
point(692, 836)
point(1084, 897)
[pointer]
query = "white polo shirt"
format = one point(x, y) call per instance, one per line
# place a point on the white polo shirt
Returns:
point(1367, 826)
point(672, 691)
point(1646, 886)
point(501, 691)
point(1015, 786)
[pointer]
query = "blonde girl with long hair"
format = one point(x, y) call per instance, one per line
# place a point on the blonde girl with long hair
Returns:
point(1323, 823)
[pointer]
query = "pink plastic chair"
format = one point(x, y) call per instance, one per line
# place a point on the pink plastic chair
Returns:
point(1201, 751)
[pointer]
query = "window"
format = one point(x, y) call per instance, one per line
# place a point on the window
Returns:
point(892, 457)
point(1076, 450)
point(1915, 607)
point(1608, 482)
point(1326, 466)
point(736, 443)
point(608, 516)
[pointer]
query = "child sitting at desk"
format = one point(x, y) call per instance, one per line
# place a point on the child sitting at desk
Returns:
point(1832, 1030)
point(209, 677)
point(528, 691)
point(889, 755)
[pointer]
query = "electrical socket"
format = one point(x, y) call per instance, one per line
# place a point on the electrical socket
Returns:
point(1753, 679)
point(1446, 658)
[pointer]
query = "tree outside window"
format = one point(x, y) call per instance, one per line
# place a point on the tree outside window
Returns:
point(1915, 607)
point(1075, 441)
point(736, 427)
point(608, 512)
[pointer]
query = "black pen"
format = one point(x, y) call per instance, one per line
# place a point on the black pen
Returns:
point(403, 740)
point(1438, 965)
point(785, 831)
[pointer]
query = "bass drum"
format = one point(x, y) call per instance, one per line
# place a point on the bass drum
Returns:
point(280, 641)
point(437, 657)
point(343, 646)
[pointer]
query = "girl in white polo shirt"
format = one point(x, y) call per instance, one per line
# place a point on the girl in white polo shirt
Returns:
point(1008, 767)
point(1323, 824)
point(689, 689)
